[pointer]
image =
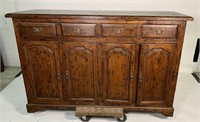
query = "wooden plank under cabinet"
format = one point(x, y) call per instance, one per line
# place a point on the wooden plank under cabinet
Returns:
point(120, 59)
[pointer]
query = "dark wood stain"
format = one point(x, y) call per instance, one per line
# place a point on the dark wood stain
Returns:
point(42, 58)
point(38, 29)
point(154, 72)
point(119, 30)
point(159, 31)
point(93, 58)
point(118, 73)
point(78, 61)
point(71, 29)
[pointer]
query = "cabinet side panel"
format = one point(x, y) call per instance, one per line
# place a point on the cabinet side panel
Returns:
point(23, 62)
point(178, 50)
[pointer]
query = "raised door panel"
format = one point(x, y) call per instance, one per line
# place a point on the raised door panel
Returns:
point(78, 62)
point(155, 73)
point(43, 66)
point(119, 73)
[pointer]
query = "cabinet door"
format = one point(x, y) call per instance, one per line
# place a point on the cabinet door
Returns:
point(155, 73)
point(119, 74)
point(43, 67)
point(78, 65)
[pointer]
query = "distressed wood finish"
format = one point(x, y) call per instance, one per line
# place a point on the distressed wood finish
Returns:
point(119, 30)
point(119, 63)
point(100, 59)
point(38, 29)
point(79, 74)
point(159, 31)
point(43, 69)
point(155, 73)
point(71, 29)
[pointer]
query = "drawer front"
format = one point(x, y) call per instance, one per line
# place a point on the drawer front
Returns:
point(159, 31)
point(69, 29)
point(116, 30)
point(38, 29)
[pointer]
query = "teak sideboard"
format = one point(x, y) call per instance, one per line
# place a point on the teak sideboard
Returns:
point(100, 58)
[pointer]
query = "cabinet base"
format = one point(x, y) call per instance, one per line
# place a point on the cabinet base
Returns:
point(166, 111)
point(32, 108)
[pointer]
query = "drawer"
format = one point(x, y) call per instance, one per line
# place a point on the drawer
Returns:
point(116, 30)
point(38, 29)
point(69, 29)
point(159, 31)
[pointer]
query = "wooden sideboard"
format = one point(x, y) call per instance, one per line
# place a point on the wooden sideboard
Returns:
point(100, 58)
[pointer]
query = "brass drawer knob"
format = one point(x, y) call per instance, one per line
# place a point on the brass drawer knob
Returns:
point(140, 77)
point(118, 30)
point(78, 30)
point(37, 29)
point(67, 75)
point(158, 31)
point(58, 75)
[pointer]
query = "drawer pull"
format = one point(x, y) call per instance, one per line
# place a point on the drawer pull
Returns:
point(159, 31)
point(131, 76)
point(58, 76)
point(67, 75)
point(140, 77)
point(37, 29)
point(118, 30)
point(78, 30)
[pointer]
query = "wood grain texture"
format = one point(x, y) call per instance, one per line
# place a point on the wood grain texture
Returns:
point(119, 30)
point(70, 29)
point(159, 31)
point(118, 72)
point(167, 111)
point(154, 73)
point(44, 70)
point(89, 14)
point(120, 59)
point(23, 61)
point(173, 80)
point(79, 68)
point(38, 29)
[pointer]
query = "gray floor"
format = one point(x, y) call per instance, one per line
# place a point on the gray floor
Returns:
point(8, 76)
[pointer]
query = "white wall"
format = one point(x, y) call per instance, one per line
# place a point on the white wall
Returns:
point(197, 65)
point(7, 38)
point(188, 7)
point(199, 18)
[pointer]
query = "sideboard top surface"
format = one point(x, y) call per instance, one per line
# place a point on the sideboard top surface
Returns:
point(101, 14)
